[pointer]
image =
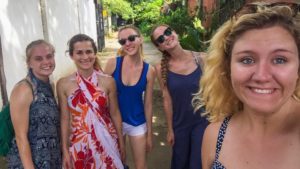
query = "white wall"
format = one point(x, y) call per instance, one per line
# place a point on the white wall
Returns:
point(20, 23)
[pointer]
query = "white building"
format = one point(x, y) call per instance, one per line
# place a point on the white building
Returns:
point(22, 21)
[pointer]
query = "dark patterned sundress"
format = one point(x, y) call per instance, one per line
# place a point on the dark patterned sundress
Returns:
point(43, 132)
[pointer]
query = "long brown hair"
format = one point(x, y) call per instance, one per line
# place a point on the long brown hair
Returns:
point(165, 56)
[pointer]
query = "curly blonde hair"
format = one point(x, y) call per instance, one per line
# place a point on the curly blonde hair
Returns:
point(216, 93)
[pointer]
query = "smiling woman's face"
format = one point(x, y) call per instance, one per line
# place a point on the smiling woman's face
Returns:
point(132, 40)
point(41, 61)
point(169, 40)
point(264, 68)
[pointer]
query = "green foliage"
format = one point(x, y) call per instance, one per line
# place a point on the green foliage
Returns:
point(145, 28)
point(120, 7)
point(188, 28)
point(192, 40)
point(148, 11)
point(178, 20)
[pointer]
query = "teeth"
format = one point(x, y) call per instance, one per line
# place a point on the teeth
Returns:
point(46, 68)
point(263, 91)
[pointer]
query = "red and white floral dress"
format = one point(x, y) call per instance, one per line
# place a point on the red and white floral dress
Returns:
point(93, 138)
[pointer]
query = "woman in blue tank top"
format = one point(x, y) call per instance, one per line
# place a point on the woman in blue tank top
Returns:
point(179, 75)
point(134, 79)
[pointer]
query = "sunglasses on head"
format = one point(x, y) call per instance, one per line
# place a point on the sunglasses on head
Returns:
point(161, 38)
point(131, 38)
point(253, 7)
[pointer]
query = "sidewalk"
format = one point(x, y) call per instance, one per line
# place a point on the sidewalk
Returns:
point(160, 156)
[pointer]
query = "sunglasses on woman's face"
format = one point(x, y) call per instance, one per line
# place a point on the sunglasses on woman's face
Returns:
point(252, 8)
point(131, 38)
point(161, 38)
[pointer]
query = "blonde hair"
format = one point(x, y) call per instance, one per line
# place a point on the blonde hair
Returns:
point(216, 93)
point(141, 49)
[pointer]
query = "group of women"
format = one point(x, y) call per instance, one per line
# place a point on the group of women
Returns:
point(250, 92)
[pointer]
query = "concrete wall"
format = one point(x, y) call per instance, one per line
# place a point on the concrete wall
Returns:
point(21, 23)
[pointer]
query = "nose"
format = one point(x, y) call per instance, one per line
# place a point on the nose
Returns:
point(46, 61)
point(262, 72)
point(127, 42)
point(85, 55)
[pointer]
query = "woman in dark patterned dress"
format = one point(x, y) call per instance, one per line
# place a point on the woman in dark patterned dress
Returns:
point(35, 114)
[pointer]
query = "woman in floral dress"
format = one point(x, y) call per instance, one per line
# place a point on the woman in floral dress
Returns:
point(90, 118)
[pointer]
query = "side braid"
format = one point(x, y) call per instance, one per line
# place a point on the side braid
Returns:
point(164, 67)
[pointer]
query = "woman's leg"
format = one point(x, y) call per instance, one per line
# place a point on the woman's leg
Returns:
point(138, 147)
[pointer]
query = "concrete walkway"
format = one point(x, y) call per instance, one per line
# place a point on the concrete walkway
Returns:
point(159, 157)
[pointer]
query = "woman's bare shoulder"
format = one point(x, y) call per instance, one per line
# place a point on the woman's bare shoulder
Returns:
point(212, 130)
point(66, 81)
point(22, 89)
point(106, 80)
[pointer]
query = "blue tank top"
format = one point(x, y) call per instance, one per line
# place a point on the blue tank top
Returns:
point(130, 98)
point(181, 89)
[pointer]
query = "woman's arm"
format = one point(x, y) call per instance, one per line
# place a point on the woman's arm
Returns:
point(64, 121)
point(167, 103)
point(149, 105)
point(20, 101)
point(115, 113)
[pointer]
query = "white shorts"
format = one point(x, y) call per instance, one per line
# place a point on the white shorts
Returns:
point(134, 130)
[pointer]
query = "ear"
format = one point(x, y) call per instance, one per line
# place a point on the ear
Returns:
point(29, 65)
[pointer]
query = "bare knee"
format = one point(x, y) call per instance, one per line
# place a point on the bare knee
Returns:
point(138, 146)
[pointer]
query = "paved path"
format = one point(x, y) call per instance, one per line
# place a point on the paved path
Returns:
point(159, 157)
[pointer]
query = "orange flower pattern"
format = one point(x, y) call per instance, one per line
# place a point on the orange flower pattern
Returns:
point(93, 139)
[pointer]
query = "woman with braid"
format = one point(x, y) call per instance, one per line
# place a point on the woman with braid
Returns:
point(179, 73)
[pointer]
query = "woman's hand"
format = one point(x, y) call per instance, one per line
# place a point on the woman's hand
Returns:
point(149, 142)
point(123, 152)
point(170, 137)
point(66, 161)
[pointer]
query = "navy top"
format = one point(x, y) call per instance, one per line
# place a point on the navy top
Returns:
point(130, 98)
point(181, 88)
point(43, 131)
point(216, 164)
